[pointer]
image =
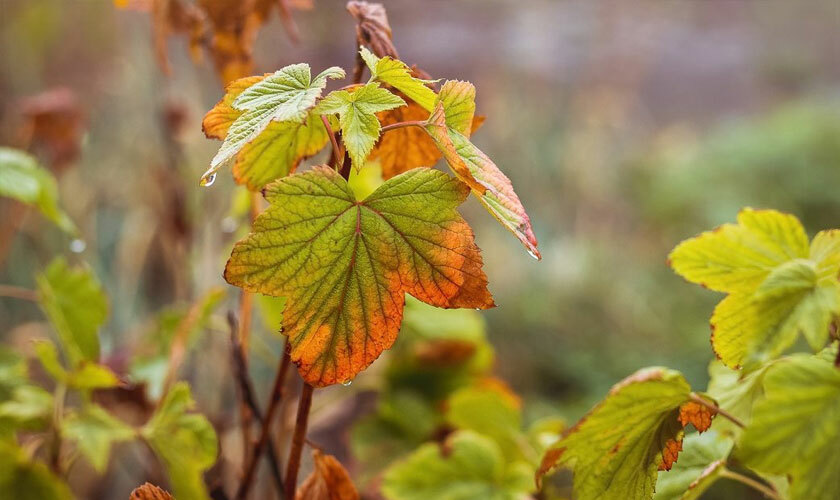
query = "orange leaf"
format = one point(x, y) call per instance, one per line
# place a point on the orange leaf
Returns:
point(329, 481)
point(700, 416)
point(405, 148)
point(150, 492)
point(670, 452)
point(217, 121)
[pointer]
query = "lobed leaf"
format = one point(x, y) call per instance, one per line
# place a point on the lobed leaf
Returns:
point(85, 376)
point(491, 411)
point(492, 188)
point(94, 431)
point(702, 459)
point(794, 427)
point(405, 148)
point(23, 179)
point(345, 265)
point(397, 74)
point(76, 306)
point(616, 450)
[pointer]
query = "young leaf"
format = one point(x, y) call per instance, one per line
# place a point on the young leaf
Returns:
point(397, 74)
point(492, 412)
point(85, 376)
point(471, 467)
point(23, 179)
point(94, 431)
point(328, 481)
point(184, 442)
point(458, 100)
point(316, 244)
point(735, 391)
point(616, 450)
point(75, 304)
point(701, 461)
point(492, 188)
point(218, 120)
point(794, 428)
point(778, 284)
point(24, 479)
point(28, 406)
point(286, 95)
point(357, 115)
point(149, 491)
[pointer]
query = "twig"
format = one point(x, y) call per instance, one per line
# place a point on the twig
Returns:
point(246, 390)
point(288, 21)
point(752, 483)
point(58, 413)
point(336, 150)
point(293, 466)
point(16, 292)
point(178, 347)
point(717, 409)
point(413, 123)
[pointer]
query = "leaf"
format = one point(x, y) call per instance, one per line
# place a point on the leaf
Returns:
point(184, 442)
point(150, 492)
point(286, 95)
point(316, 244)
point(28, 406)
point(328, 481)
point(778, 286)
point(458, 100)
point(397, 74)
point(616, 450)
point(94, 431)
point(405, 148)
point(23, 179)
point(794, 428)
point(218, 120)
point(23, 479)
point(176, 16)
point(76, 306)
point(357, 116)
point(701, 461)
point(492, 188)
point(372, 29)
point(736, 392)
point(85, 376)
point(468, 467)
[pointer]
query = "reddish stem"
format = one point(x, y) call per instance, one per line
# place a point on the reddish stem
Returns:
point(414, 123)
point(336, 150)
point(293, 467)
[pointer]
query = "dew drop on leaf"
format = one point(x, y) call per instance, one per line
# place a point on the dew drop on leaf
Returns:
point(533, 255)
point(209, 180)
point(347, 383)
point(77, 246)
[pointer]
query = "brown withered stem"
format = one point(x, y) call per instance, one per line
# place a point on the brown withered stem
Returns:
point(246, 390)
point(298, 439)
point(717, 409)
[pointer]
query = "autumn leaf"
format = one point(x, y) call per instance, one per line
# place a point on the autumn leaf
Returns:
point(779, 285)
point(372, 27)
point(316, 244)
point(397, 74)
point(794, 427)
point(149, 492)
point(492, 188)
point(696, 414)
point(285, 96)
point(357, 111)
point(405, 148)
point(176, 17)
point(700, 465)
point(617, 449)
point(54, 123)
point(737, 392)
point(218, 120)
point(328, 481)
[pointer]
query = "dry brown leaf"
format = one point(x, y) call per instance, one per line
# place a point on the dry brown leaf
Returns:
point(150, 492)
point(372, 28)
point(329, 481)
point(176, 17)
point(54, 122)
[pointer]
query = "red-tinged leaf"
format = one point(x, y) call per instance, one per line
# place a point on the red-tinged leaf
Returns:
point(405, 148)
point(150, 492)
point(218, 120)
point(700, 416)
point(345, 265)
point(329, 481)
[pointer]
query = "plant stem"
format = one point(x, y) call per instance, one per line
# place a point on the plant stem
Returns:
point(717, 409)
point(346, 166)
point(412, 123)
point(58, 413)
point(298, 439)
point(17, 292)
point(336, 151)
point(765, 490)
point(246, 390)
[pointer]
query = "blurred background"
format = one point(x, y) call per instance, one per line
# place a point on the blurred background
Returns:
point(624, 126)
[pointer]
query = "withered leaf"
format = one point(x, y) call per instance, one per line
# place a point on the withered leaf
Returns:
point(149, 491)
point(328, 481)
point(372, 29)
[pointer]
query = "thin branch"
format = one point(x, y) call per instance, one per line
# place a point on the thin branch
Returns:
point(336, 150)
point(413, 123)
point(717, 409)
point(765, 490)
point(246, 390)
point(288, 21)
point(178, 348)
point(293, 466)
point(16, 292)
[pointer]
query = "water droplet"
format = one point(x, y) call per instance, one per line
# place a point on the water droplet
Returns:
point(533, 254)
point(208, 180)
point(77, 246)
point(477, 309)
point(347, 383)
point(229, 224)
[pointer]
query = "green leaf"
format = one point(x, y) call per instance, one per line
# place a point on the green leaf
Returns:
point(472, 467)
point(316, 244)
point(357, 116)
point(85, 376)
point(458, 100)
point(24, 479)
point(94, 431)
point(397, 74)
point(13, 371)
point(185, 443)
point(23, 179)
point(701, 461)
point(75, 304)
point(492, 413)
point(492, 188)
point(794, 430)
point(29, 406)
point(779, 286)
point(616, 450)
point(736, 392)
point(285, 96)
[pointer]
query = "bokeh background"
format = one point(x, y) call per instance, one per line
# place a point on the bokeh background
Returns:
point(624, 126)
